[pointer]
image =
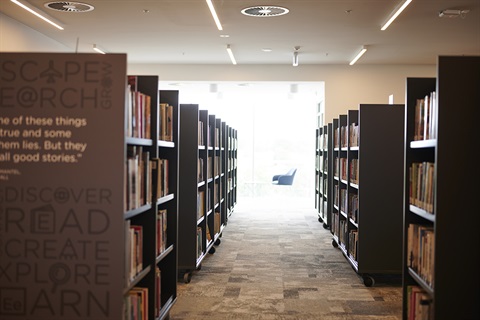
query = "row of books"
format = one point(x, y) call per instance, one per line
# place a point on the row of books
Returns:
point(422, 175)
point(343, 232)
point(341, 140)
point(138, 113)
point(138, 182)
point(141, 174)
point(200, 204)
point(166, 122)
point(348, 202)
point(216, 222)
point(229, 183)
point(321, 163)
point(200, 248)
point(322, 141)
point(160, 176)
point(421, 249)
point(335, 222)
point(354, 171)
point(419, 304)
point(217, 194)
point(425, 115)
point(200, 177)
point(232, 143)
point(201, 141)
point(134, 244)
point(353, 244)
point(161, 231)
point(232, 163)
point(218, 142)
point(133, 251)
point(353, 207)
point(340, 169)
point(354, 134)
point(136, 302)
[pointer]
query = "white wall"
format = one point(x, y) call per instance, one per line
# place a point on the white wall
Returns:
point(17, 37)
point(345, 86)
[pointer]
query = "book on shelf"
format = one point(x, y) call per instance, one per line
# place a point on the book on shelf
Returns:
point(419, 304)
point(425, 117)
point(161, 230)
point(217, 137)
point(200, 204)
point(421, 185)
point(343, 136)
point(218, 166)
point(166, 122)
point(343, 168)
point(160, 173)
point(199, 242)
point(200, 170)
point(210, 137)
point(353, 243)
point(216, 222)
point(209, 236)
point(158, 291)
point(421, 249)
point(133, 251)
point(354, 135)
point(200, 134)
point(138, 108)
point(353, 207)
point(137, 304)
point(138, 190)
point(354, 171)
point(336, 138)
point(210, 167)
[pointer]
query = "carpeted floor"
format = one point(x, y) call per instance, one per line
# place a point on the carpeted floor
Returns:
point(276, 261)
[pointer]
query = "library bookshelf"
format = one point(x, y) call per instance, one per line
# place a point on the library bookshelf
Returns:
point(203, 187)
point(151, 223)
point(92, 211)
point(231, 162)
point(322, 187)
point(367, 189)
point(440, 261)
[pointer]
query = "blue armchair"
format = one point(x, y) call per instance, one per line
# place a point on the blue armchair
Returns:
point(284, 179)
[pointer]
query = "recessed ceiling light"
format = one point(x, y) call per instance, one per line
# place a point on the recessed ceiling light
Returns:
point(267, 50)
point(224, 36)
point(265, 11)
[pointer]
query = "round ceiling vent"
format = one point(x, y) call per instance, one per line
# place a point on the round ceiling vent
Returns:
point(264, 11)
point(68, 6)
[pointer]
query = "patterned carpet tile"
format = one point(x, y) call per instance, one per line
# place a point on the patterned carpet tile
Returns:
point(279, 264)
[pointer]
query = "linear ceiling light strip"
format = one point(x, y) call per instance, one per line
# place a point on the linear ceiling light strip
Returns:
point(230, 53)
point(364, 49)
point(396, 14)
point(37, 12)
point(214, 14)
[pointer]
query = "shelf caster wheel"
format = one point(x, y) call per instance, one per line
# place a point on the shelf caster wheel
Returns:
point(187, 277)
point(217, 242)
point(199, 267)
point(325, 226)
point(320, 220)
point(334, 244)
point(212, 250)
point(368, 281)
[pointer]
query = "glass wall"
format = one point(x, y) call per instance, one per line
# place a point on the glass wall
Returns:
point(276, 125)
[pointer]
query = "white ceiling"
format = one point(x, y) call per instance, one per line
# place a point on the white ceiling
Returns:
point(327, 31)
